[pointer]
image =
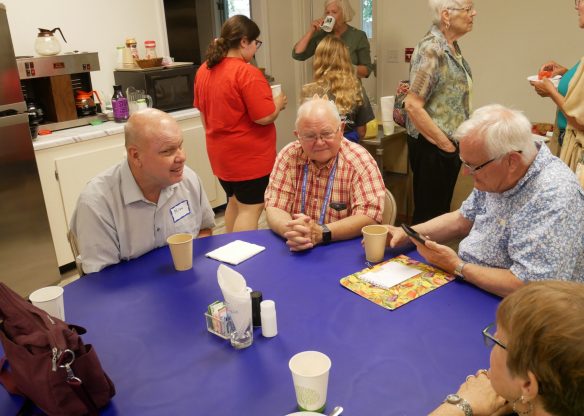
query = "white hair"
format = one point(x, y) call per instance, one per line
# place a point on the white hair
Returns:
point(437, 6)
point(502, 130)
point(345, 6)
point(310, 106)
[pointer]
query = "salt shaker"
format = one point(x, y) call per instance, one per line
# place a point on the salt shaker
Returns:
point(268, 315)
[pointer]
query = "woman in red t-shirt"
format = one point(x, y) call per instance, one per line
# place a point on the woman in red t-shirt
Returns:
point(238, 112)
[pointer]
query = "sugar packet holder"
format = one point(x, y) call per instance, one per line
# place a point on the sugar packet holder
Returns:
point(218, 320)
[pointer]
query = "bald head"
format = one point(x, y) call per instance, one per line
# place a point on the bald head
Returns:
point(145, 125)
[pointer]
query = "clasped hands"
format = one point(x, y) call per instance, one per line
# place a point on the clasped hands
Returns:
point(303, 233)
point(437, 254)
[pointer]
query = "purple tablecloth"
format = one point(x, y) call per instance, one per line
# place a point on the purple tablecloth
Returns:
point(146, 323)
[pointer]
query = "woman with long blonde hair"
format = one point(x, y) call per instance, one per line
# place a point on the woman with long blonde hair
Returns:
point(335, 77)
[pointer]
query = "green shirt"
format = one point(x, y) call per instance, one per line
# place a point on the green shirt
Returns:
point(355, 39)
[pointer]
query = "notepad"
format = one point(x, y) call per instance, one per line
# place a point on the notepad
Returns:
point(389, 275)
point(395, 282)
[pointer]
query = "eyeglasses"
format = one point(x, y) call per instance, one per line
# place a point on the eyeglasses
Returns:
point(325, 135)
point(469, 9)
point(490, 339)
point(474, 169)
point(258, 43)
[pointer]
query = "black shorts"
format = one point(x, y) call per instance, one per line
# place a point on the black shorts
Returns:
point(247, 192)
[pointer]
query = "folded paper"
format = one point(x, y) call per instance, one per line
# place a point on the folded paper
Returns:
point(235, 252)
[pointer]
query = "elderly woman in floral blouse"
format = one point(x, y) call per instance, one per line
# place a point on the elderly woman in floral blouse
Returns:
point(439, 100)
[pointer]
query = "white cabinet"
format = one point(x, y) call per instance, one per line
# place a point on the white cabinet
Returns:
point(64, 171)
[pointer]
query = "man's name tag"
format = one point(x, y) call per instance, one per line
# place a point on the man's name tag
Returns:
point(180, 210)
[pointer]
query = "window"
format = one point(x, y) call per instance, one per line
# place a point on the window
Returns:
point(367, 20)
point(237, 7)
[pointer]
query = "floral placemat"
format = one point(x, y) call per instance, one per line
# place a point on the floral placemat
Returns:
point(428, 279)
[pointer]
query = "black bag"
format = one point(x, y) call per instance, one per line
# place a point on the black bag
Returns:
point(49, 364)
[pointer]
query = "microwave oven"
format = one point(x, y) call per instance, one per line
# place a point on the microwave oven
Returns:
point(171, 88)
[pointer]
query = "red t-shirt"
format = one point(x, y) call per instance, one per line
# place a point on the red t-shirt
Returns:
point(230, 96)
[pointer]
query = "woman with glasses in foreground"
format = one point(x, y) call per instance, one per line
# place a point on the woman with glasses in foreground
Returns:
point(537, 357)
point(238, 113)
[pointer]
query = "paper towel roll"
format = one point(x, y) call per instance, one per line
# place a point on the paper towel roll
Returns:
point(386, 104)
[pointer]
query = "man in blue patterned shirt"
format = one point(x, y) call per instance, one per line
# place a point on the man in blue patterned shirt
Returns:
point(523, 221)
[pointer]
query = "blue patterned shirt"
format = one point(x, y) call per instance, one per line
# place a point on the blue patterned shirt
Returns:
point(442, 80)
point(535, 229)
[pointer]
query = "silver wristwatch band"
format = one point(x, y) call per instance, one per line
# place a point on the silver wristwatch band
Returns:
point(459, 402)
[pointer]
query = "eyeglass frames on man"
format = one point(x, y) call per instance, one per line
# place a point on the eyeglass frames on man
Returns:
point(326, 136)
point(467, 9)
point(490, 339)
point(474, 169)
point(258, 43)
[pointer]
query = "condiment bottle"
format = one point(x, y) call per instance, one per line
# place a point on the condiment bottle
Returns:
point(120, 105)
point(133, 46)
point(150, 47)
point(268, 317)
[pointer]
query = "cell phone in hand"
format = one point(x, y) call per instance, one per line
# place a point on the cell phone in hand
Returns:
point(413, 233)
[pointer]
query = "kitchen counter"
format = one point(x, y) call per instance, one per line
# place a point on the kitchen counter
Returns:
point(89, 132)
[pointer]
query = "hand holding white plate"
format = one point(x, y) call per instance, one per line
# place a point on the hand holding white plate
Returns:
point(555, 80)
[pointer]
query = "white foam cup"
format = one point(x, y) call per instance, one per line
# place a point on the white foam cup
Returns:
point(276, 90)
point(310, 374)
point(50, 300)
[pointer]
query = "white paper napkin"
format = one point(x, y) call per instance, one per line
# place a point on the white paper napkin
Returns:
point(235, 252)
point(233, 288)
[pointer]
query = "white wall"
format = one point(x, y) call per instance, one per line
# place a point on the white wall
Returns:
point(89, 26)
point(509, 42)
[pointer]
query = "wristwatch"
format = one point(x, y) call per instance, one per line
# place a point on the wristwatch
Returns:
point(459, 402)
point(326, 234)
point(458, 270)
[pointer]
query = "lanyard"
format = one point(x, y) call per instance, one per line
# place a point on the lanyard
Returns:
point(329, 189)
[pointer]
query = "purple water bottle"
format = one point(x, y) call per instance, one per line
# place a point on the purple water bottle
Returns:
point(120, 105)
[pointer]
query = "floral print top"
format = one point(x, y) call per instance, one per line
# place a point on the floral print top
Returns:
point(442, 80)
point(535, 229)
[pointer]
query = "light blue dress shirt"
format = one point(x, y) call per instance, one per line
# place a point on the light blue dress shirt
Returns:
point(113, 221)
point(535, 229)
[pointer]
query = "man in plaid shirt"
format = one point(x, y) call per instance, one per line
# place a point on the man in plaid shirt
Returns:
point(323, 187)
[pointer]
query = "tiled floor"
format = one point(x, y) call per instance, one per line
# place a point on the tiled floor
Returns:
point(72, 275)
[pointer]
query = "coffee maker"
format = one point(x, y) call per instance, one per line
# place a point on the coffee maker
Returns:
point(52, 83)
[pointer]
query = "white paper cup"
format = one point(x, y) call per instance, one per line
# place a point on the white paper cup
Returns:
point(386, 103)
point(374, 237)
point(50, 300)
point(181, 248)
point(276, 90)
point(310, 374)
point(388, 127)
point(328, 24)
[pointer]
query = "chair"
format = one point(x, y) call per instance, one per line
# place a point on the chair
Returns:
point(75, 250)
point(390, 208)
